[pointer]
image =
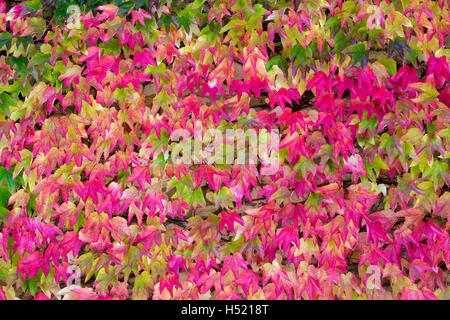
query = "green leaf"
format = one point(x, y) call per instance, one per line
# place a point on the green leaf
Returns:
point(5, 39)
point(5, 102)
point(240, 5)
point(81, 222)
point(390, 65)
point(234, 246)
point(32, 285)
point(32, 6)
point(379, 163)
point(125, 7)
point(111, 47)
point(4, 196)
point(332, 22)
point(198, 198)
point(6, 175)
point(20, 64)
point(277, 61)
point(340, 41)
point(185, 19)
point(39, 59)
point(39, 24)
point(438, 171)
point(360, 54)
point(224, 198)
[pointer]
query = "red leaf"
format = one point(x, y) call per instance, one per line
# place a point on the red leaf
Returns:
point(228, 218)
point(30, 265)
point(109, 11)
point(233, 263)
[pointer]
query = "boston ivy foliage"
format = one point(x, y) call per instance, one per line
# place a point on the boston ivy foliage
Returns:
point(91, 208)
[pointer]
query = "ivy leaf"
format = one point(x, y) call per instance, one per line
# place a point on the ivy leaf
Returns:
point(399, 45)
point(390, 65)
point(5, 39)
point(6, 175)
point(360, 54)
point(197, 198)
point(31, 6)
point(234, 263)
point(277, 61)
point(228, 218)
point(5, 194)
point(5, 102)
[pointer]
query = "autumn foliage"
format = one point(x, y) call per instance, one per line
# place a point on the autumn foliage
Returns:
point(91, 207)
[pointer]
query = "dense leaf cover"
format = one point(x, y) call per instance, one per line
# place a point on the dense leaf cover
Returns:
point(92, 208)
